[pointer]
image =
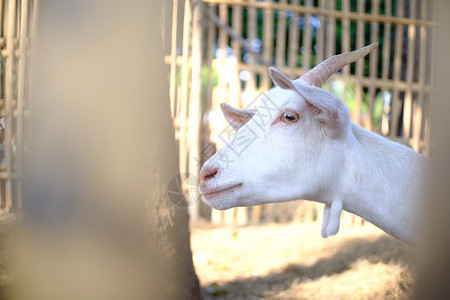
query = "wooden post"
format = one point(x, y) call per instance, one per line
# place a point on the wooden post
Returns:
point(385, 67)
point(9, 87)
point(281, 38)
point(293, 42)
point(20, 96)
point(173, 58)
point(374, 33)
point(418, 115)
point(395, 102)
point(195, 104)
point(359, 67)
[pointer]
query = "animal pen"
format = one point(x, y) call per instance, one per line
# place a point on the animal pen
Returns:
point(220, 51)
point(16, 25)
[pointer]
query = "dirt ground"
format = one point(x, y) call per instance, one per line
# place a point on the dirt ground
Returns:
point(289, 261)
point(294, 262)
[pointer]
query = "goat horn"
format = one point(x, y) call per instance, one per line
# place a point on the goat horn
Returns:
point(324, 70)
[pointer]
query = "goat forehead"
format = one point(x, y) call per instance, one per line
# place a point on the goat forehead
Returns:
point(277, 99)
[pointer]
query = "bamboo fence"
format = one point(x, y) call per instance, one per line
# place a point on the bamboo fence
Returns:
point(222, 51)
point(17, 20)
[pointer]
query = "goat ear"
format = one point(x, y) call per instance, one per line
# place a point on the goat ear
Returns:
point(326, 108)
point(280, 79)
point(236, 117)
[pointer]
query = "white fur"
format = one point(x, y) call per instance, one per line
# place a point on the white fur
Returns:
point(323, 157)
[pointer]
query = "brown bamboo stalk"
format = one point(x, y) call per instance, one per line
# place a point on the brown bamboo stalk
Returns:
point(256, 214)
point(408, 106)
point(195, 108)
point(320, 34)
point(331, 36)
point(235, 92)
point(331, 31)
point(281, 38)
point(385, 66)
point(345, 43)
point(374, 32)
point(185, 90)
point(307, 40)
point(395, 102)
point(293, 41)
point(359, 66)
point(251, 35)
point(20, 94)
point(211, 38)
point(312, 10)
point(9, 70)
point(418, 116)
point(267, 45)
point(2, 24)
point(173, 55)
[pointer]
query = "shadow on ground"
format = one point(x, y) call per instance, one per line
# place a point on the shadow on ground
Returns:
point(384, 249)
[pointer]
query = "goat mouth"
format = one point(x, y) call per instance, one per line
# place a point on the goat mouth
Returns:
point(210, 193)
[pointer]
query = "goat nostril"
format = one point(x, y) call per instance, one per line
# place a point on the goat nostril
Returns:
point(209, 174)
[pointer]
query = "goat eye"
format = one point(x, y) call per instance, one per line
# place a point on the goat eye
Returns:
point(289, 117)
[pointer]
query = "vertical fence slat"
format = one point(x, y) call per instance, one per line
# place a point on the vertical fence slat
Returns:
point(20, 95)
point(185, 89)
point(281, 37)
point(359, 66)
point(330, 36)
point(320, 35)
point(251, 35)
point(385, 67)
point(235, 92)
point(408, 102)
point(307, 40)
point(195, 105)
point(9, 86)
point(395, 103)
point(293, 41)
point(418, 120)
point(345, 44)
point(173, 58)
point(267, 45)
point(374, 32)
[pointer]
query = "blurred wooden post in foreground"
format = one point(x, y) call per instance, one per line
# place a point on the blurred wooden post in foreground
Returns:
point(195, 103)
point(432, 282)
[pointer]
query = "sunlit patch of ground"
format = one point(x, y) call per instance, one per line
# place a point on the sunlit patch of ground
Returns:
point(294, 262)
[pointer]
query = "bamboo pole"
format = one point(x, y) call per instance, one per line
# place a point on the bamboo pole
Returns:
point(307, 40)
point(320, 36)
point(185, 90)
point(408, 102)
point(330, 37)
point(346, 43)
point(173, 53)
point(395, 103)
point(267, 45)
point(20, 95)
point(9, 86)
point(374, 32)
point(293, 42)
point(251, 35)
point(418, 115)
point(385, 68)
point(294, 7)
point(359, 67)
point(281, 38)
point(241, 212)
point(195, 109)
point(235, 92)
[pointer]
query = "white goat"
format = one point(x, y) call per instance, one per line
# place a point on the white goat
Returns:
point(302, 144)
